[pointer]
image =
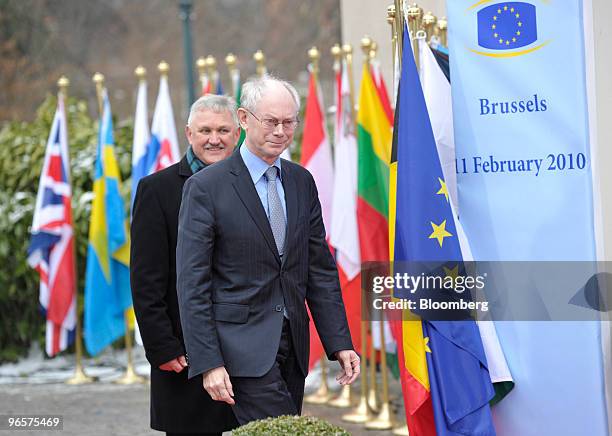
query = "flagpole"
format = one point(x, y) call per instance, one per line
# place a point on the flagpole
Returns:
point(344, 399)
point(391, 22)
point(366, 45)
point(79, 376)
point(230, 61)
point(361, 413)
point(201, 65)
point(347, 50)
point(399, 25)
point(211, 64)
point(429, 22)
point(384, 419)
point(260, 60)
point(322, 395)
point(415, 15)
point(98, 80)
point(443, 30)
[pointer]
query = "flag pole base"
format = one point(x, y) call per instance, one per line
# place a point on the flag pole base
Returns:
point(80, 378)
point(130, 377)
point(321, 396)
point(344, 399)
point(373, 400)
point(360, 414)
point(401, 431)
point(382, 421)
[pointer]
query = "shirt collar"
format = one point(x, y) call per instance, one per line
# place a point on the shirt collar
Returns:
point(194, 162)
point(257, 166)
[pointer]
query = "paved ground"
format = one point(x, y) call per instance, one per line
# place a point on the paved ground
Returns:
point(35, 386)
point(107, 409)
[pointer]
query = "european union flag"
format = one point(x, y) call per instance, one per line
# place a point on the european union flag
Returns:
point(506, 26)
point(425, 231)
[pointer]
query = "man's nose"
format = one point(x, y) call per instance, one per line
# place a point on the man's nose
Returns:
point(214, 138)
point(278, 130)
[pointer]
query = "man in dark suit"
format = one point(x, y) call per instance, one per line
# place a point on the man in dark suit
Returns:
point(178, 405)
point(251, 250)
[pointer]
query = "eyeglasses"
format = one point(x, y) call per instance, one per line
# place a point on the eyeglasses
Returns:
point(271, 123)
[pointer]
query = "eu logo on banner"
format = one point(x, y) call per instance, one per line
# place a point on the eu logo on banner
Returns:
point(506, 26)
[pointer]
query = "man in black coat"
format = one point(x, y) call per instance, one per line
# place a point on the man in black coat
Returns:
point(178, 405)
point(251, 250)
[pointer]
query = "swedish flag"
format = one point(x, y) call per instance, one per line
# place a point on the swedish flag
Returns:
point(107, 278)
point(506, 26)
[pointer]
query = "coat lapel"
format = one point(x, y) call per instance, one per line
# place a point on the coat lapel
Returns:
point(292, 207)
point(243, 184)
point(183, 168)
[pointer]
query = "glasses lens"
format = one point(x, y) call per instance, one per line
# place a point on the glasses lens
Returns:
point(290, 125)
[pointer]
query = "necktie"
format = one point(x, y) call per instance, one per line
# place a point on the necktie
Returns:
point(275, 208)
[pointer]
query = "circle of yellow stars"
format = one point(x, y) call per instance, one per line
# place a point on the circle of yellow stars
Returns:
point(519, 23)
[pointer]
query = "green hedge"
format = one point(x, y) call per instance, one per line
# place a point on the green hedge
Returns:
point(290, 425)
point(22, 148)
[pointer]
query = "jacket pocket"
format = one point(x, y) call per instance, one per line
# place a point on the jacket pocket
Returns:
point(231, 312)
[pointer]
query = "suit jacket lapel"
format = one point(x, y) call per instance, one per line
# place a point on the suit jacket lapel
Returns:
point(243, 184)
point(292, 207)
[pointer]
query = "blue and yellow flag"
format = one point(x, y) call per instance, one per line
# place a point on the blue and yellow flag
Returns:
point(456, 374)
point(107, 278)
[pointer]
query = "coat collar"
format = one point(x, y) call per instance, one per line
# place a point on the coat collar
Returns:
point(183, 168)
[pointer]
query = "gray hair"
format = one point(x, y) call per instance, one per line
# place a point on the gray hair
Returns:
point(252, 91)
point(214, 103)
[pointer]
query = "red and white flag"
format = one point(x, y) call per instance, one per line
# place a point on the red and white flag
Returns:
point(316, 150)
point(317, 158)
point(344, 231)
point(163, 129)
point(51, 250)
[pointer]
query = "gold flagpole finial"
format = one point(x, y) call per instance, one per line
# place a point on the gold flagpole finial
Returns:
point(336, 52)
point(260, 60)
point(314, 55)
point(63, 84)
point(373, 50)
point(211, 62)
point(347, 50)
point(163, 68)
point(230, 61)
point(429, 21)
point(366, 43)
point(98, 79)
point(442, 29)
point(141, 73)
point(415, 15)
point(201, 66)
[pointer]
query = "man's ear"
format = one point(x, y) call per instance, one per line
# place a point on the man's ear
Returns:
point(242, 118)
point(188, 133)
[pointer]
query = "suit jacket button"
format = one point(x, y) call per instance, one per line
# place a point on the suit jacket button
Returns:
point(278, 308)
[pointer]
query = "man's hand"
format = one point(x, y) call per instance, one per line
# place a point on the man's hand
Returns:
point(217, 384)
point(177, 364)
point(350, 364)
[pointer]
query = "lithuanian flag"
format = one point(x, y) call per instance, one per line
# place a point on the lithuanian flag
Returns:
point(374, 145)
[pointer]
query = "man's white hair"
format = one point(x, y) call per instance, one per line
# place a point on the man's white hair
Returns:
point(253, 89)
point(214, 103)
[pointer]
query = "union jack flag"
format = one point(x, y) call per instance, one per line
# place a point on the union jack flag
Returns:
point(51, 250)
